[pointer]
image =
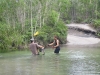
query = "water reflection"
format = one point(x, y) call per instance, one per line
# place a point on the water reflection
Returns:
point(70, 61)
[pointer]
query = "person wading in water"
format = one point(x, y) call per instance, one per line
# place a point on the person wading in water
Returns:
point(34, 47)
point(56, 45)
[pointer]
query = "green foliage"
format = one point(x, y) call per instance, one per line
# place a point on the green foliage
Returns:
point(9, 38)
point(3, 39)
point(61, 31)
point(96, 23)
point(64, 9)
point(67, 22)
point(52, 28)
point(52, 18)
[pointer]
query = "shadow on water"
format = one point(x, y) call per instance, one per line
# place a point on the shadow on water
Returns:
point(70, 61)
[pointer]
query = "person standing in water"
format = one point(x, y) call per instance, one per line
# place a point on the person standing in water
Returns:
point(56, 45)
point(34, 47)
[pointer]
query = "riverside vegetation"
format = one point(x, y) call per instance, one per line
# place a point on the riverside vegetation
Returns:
point(20, 19)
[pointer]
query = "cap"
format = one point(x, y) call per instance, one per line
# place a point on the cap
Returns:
point(32, 39)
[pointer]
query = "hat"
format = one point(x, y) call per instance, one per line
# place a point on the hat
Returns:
point(32, 39)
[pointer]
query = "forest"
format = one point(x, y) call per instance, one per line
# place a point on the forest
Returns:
point(20, 19)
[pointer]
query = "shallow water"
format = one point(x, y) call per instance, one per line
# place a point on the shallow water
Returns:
point(70, 61)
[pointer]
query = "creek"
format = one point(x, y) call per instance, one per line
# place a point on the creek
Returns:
point(70, 61)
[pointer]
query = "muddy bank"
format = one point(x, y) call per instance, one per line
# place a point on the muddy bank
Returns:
point(81, 26)
point(76, 37)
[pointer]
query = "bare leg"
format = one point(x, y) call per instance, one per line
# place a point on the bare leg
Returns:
point(43, 51)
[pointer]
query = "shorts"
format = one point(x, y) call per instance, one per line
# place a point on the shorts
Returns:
point(57, 50)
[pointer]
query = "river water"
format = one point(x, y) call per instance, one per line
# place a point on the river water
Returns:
point(70, 61)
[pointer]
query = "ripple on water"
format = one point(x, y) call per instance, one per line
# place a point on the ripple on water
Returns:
point(68, 62)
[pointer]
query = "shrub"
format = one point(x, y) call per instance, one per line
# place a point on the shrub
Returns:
point(52, 28)
point(9, 38)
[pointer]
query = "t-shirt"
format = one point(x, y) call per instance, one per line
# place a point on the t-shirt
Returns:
point(33, 48)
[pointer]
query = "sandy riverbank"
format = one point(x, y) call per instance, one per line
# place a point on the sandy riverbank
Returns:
point(78, 38)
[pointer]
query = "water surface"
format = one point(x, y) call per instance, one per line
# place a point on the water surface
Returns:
point(70, 61)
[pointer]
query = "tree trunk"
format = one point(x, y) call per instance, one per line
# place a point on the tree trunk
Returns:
point(31, 22)
point(96, 9)
point(45, 11)
point(40, 14)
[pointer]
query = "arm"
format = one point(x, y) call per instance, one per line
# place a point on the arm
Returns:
point(51, 43)
point(57, 44)
point(40, 46)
